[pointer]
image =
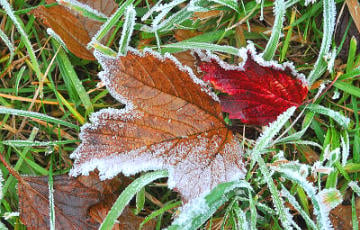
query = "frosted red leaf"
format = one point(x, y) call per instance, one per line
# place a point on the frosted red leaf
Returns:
point(171, 121)
point(257, 91)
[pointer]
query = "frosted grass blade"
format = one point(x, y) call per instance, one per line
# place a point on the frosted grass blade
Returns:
point(339, 118)
point(128, 29)
point(202, 45)
point(329, 15)
point(40, 116)
point(279, 12)
point(127, 195)
point(106, 27)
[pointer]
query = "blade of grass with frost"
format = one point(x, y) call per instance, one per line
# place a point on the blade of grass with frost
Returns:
point(329, 14)
point(83, 9)
point(106, 27)
point(175, 19)
point(103, 49)
point(336, 116)
point(69, 74)
point(203, 45)
point(40, 116)
point(19, 76)
point(198, 210)
point(24, 37)
point(355, 187)
point(279, 12)
point(20, 161)
point(127, 31)
point(10, 46)
point(262, 143)
point(345, 148)
point(233, 4)
point(164, 10)
point(52, 33)
point(25, 143)
point(126, 196)
point(292, 200)
point(320, 210)
point(253, 212)
point(51, 196)
point(241, 217)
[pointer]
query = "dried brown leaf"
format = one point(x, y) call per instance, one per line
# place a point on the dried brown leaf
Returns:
point(72, 199)
point(74, 29)
point(170, 122)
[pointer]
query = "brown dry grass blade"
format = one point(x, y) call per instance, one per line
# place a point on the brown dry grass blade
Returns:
point(170, 122)
point(73, 198)
point(74, 29)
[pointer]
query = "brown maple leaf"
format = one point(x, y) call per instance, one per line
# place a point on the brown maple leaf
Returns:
point(74, 29)
point(171, 121)
point(73, 198)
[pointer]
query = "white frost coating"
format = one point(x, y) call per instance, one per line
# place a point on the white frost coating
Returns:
point(307, 2)
point(53, 34)
point(330, 198)
point(345, 148)
point(51, 207)
point(193, 208)
point(70, 3)
point(250, 49)
point(128, 29)
point(8, 215)
point(194, 7)
point(151, 11)
point(125, 163)
point(355, 187)
point(331, 60)
point(336, 94)
point(164, 9)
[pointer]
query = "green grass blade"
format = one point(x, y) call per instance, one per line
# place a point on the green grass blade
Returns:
point(339, 118)
point(24, 37)
point(68, 72)
point(197, 211)
point(203, 45)
point(106, 27)
point(279, 11)
point(328, 30)
point(26, 143)
point(127, 195)
point(348, 88)
point(128, 29)
point(40, 116)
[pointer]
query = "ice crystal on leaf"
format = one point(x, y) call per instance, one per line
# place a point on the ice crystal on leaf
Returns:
point(256, 91)
point(170, 121)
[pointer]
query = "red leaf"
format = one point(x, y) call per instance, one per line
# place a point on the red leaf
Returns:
point(256, 92)
point(170, 122)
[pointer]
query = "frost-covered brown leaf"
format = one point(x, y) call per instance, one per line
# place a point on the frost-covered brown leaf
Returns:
point(171, 121)
point(74, 29)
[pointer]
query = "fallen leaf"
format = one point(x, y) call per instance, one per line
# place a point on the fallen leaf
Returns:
point(72, 199)
point(341, 217)
point(257, 91)
point(74, 29)
point(171, 121)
